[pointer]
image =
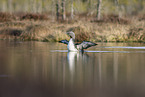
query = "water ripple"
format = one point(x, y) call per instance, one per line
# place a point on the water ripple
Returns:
point(115, 51)
point(126, 47)
point(102, 51)
point(59, 50)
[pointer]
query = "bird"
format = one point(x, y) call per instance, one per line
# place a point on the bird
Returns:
point(75, 47)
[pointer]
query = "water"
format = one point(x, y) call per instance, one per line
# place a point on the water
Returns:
point(40, 69)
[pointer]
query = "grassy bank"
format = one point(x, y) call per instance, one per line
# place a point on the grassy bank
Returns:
point(41, 28)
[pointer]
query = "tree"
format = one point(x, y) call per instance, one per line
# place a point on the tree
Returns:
point(10, 5)
point(117, 7)
point(57, 9)
point(72, 10)
point(63, 10)
point(43, 6)
point(99, 9)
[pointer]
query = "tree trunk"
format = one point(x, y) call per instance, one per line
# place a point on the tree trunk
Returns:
point(140, 4)
point(72, 10)
point(99, 9)
point(117, 11)
point(4, 6)
point(53, 3)
point(10, 6)
point(57, 9)
point(63, 10)
point(89, 6)
point(43, 6)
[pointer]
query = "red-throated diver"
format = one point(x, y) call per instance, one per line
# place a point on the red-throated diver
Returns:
point(71, 46)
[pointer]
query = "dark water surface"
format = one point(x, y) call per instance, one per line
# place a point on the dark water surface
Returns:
point(40, 69)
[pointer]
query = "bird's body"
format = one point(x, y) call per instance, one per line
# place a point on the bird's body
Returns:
point(71, 46)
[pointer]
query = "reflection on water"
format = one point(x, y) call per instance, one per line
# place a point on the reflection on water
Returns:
point(76, 58)
point(37, 69)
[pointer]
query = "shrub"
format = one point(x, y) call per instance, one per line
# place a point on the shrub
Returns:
point(4, 17)
point(32, 16)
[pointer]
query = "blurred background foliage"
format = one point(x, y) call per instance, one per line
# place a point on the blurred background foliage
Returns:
point(121, 7)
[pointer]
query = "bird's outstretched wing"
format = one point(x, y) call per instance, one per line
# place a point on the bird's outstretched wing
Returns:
point(64, 41)
point(86, 44)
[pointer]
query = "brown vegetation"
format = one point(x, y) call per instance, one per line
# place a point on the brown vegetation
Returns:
point(142, 17)
point(137, 34)
point(32, 16)
point(113, 19)
point(82, 33)
point(4, 17)
point(111, 28)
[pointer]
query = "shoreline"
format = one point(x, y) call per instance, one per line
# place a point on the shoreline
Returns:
point(117, 30)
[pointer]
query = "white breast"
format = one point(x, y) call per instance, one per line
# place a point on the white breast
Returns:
point(71, 46)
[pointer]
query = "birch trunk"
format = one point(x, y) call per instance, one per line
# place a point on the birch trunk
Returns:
point(63, 10)
point(117, 8)
point(99, 9)
point(43, 6)
point(57, 9)
point(4, 6)
point(10, 6)
point(72, 10)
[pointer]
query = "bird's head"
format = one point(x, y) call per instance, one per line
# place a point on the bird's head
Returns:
point(71, 34)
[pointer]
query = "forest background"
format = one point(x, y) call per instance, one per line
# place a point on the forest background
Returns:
point(92, 20)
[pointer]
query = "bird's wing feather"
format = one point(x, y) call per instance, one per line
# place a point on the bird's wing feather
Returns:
point(64, 41)
point(86, 44)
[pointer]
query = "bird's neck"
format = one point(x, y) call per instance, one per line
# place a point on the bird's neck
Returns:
point(72, 41)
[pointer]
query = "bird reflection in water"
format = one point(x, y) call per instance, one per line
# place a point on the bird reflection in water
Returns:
point(76, 58)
